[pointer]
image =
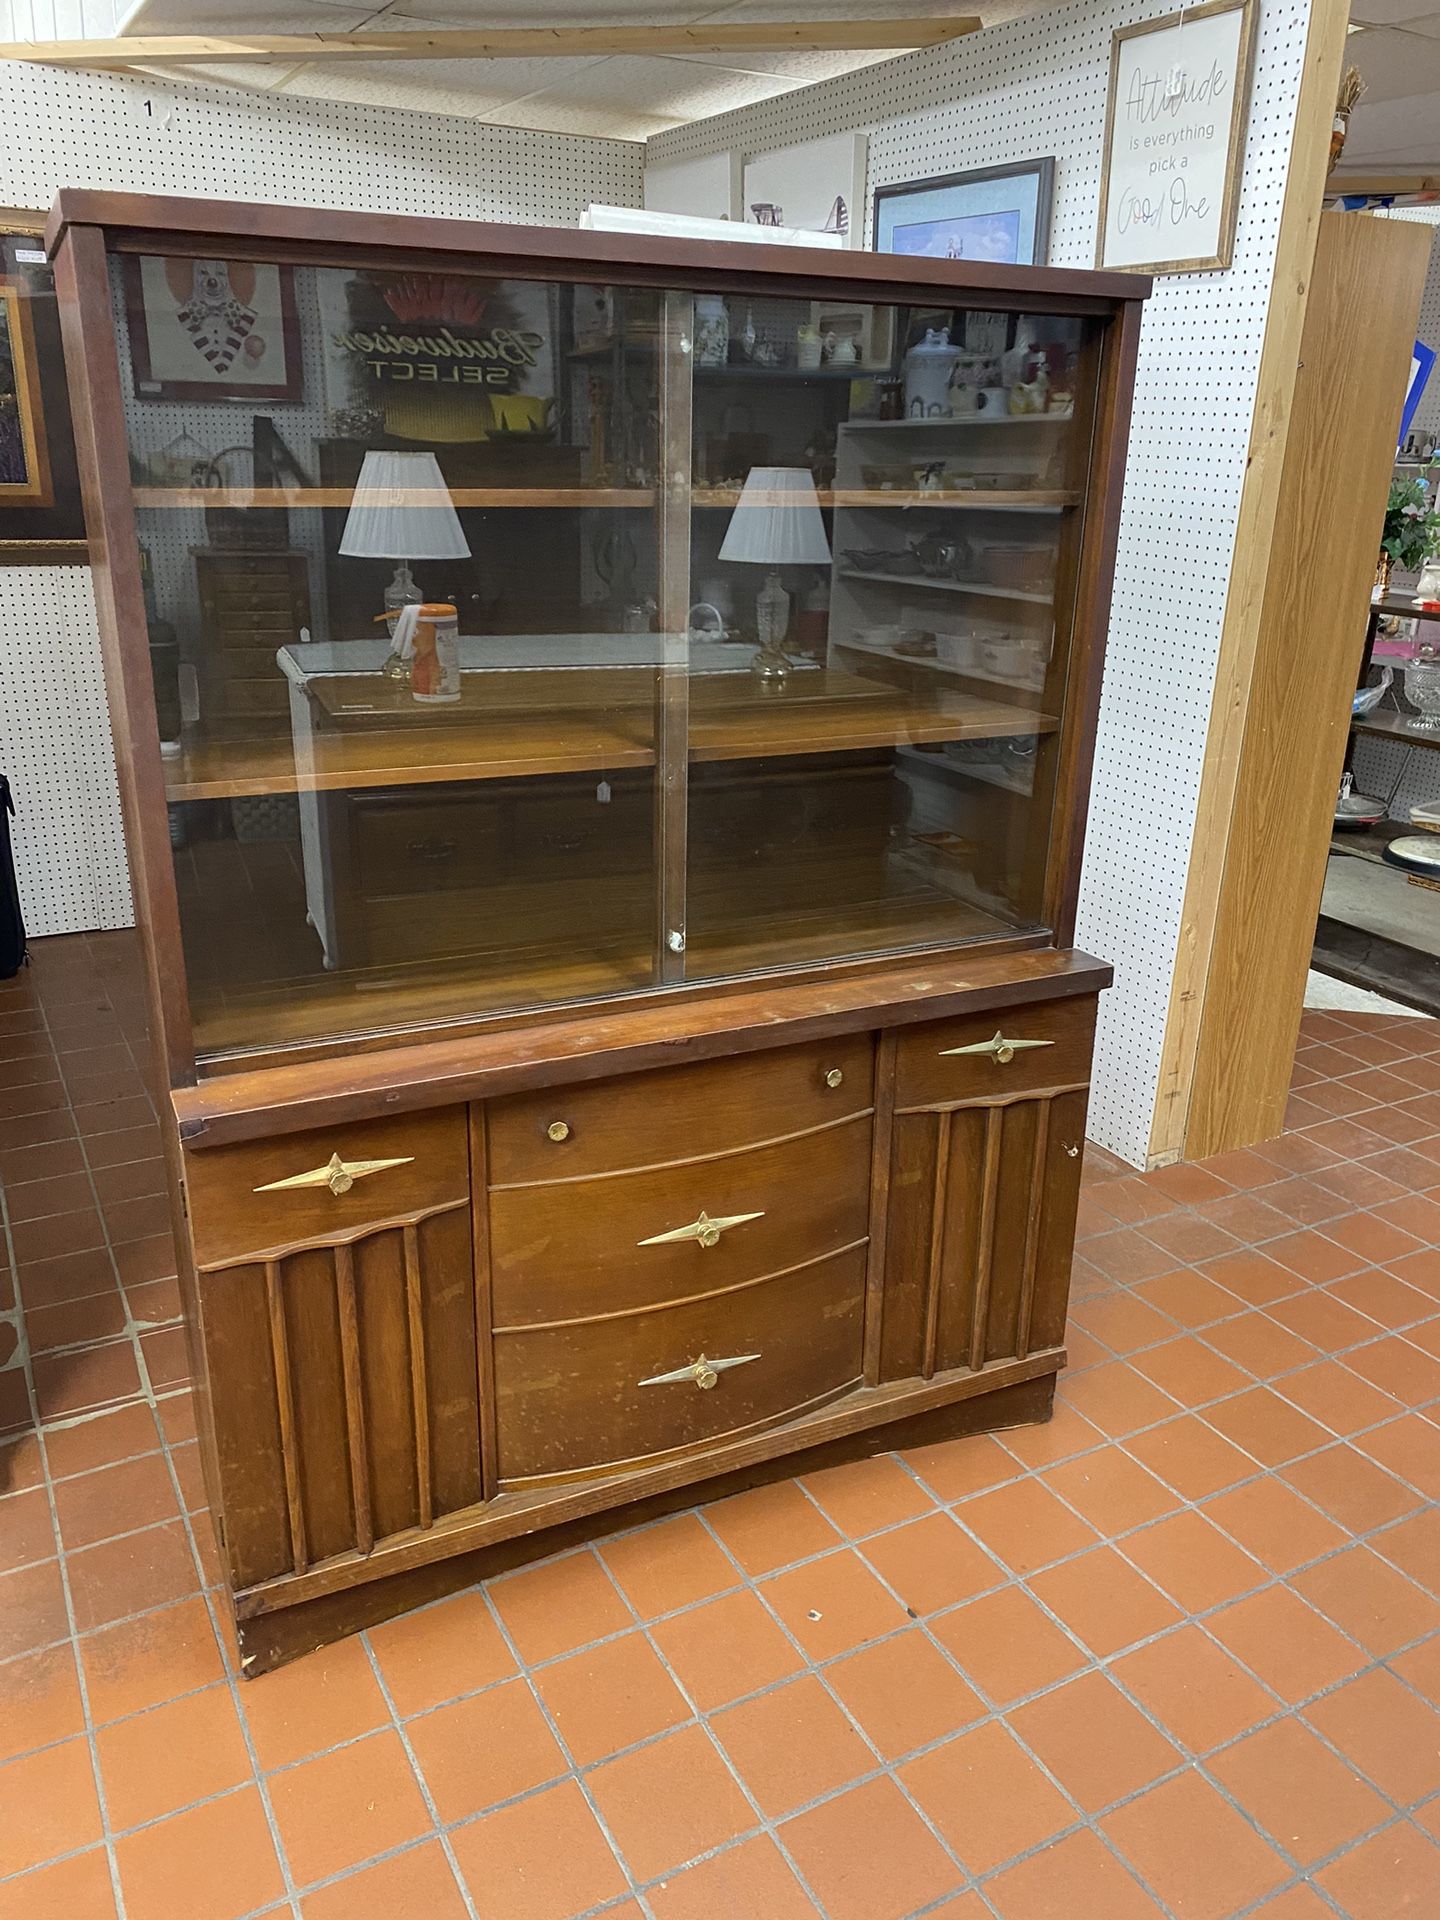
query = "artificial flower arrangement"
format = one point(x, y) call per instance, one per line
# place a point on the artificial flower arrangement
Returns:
point(1412, 524)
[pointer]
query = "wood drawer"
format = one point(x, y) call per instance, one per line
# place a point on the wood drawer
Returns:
point(408, 846)
point(254, 625)
point(242, 695)
point(678, 1113)
point(595, 1246)
point(572, 1400)
point(230, 1219)
point(1053, 1044)
point(221, 567)
point(260, 598)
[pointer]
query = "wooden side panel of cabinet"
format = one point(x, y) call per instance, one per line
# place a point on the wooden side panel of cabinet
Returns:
point(346, 1407)
point(982, 1223)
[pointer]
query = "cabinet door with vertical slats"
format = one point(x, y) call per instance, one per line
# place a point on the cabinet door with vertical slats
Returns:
point(343, 1385)
point(983, 1195)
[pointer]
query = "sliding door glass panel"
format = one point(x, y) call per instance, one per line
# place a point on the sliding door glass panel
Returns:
point(884, 537)
point(382, 818)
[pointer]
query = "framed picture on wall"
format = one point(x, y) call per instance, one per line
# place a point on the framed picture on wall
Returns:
point(42, 522)
point(988, 213)
point(24, 454)
point(212, 329)
point(1175, 139)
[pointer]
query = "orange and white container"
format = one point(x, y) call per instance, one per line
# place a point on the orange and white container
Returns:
point(428, 636)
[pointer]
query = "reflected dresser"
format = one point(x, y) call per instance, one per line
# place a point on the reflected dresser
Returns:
point(608, 894)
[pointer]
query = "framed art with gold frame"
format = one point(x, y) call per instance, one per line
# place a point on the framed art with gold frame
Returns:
point(41, 519)
point(24, 457)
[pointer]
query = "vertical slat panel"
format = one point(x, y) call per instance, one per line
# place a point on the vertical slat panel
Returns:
point(880, 1152)
point(1039, 1153)
point(985, 1237)
point(285, 1406)
point(936, 1279)
point(354, 1398)
point(484, 1311)
point(419, 1380)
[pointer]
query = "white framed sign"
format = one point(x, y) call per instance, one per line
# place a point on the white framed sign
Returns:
point(1175, 139)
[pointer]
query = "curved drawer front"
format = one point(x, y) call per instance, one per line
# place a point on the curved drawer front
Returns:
point(666, 1235)
point(991, 1055)
point(326, 1184)
point(671, 1113)
point(585, 1398)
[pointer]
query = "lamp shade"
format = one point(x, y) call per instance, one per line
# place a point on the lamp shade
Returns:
point(402, 510)
point(776, 521)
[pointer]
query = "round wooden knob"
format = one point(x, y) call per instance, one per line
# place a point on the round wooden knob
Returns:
point(557, 1131)
point(834, 1077)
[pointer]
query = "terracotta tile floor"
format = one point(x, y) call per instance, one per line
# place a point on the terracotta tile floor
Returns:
point(1177, 1653)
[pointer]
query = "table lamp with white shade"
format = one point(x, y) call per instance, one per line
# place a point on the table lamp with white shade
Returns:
point(402, 511)
point(776, 523)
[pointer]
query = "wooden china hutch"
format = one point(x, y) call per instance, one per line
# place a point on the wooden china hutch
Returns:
point(649, 1055)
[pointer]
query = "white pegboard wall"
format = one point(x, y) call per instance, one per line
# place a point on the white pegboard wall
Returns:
point(55, 747)
point(137, 135)
point(1038, 85)
point(133, 134)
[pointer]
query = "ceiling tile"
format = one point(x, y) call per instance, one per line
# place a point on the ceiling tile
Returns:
point(629, 97)
point(1395, 66)
point(403, 14)
point(215, 16)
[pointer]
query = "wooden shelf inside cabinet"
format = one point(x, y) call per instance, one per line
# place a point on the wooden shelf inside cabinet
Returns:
point(929, 584)
point(528, 497)
point(972, 500)
point(376, 999)
point(844, 714)
point(926, 662)
point(952, 420)
point(519, 744)
point(375, 745)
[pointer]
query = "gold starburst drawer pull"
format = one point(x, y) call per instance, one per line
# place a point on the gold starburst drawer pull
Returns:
point(337, 1174)
point(1000, 1048)
point(705, 1232)
point(704, 1373)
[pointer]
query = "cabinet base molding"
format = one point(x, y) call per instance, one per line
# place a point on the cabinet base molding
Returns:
point(271, 1639)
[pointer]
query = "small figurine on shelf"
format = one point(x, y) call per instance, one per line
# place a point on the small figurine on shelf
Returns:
point(1031, 396)
point(808, 347)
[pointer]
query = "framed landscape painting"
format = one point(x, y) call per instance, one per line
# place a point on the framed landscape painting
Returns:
point(999, 214)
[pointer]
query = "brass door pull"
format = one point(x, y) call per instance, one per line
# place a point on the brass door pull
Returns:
point(1001, 1049)
point(705, 1232)
point(704, 1373)
point(337, 1174)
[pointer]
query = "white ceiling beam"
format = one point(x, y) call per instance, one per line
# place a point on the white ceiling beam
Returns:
point(156, 51)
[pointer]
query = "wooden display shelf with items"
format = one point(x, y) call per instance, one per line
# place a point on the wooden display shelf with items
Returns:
point(673, 776)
